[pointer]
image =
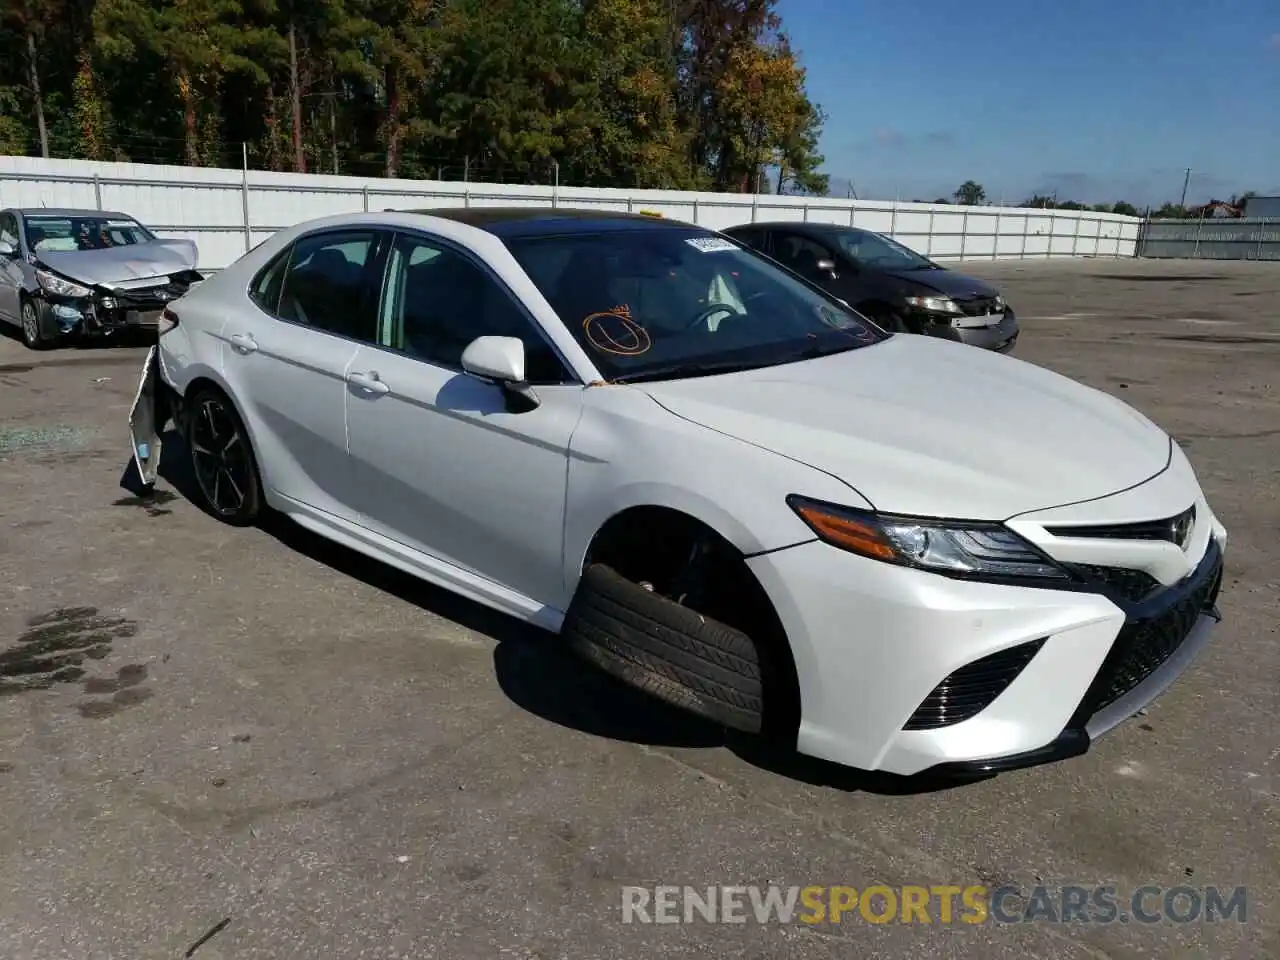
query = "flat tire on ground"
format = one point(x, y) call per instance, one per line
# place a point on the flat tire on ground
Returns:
point(666, 650)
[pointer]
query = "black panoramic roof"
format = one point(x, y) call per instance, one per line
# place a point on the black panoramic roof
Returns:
point(541, 221)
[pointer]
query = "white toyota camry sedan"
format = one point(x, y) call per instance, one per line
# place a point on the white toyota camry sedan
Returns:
point(708, 476)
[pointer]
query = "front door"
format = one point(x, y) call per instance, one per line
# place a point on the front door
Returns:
point(287, 362)
point(10, 270)
point(440, 464)
point(801, 254)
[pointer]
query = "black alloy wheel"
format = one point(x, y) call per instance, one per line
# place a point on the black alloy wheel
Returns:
point(222, 459)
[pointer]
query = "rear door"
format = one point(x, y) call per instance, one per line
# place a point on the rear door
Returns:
point(440, 463)
point(287, 360)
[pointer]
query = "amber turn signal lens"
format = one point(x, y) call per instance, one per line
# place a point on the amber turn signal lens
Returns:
point(847, 533)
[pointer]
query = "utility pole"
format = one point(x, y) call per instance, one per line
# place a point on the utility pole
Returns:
point(1185, 181)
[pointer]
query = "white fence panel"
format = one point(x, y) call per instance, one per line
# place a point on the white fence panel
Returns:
point(228, 211)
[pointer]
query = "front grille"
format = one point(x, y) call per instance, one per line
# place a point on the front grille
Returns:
point(971, 689)
point(978, 306)
point(1144, 644)
point(147, 298)
point(1167, 529)
point(1130, 585)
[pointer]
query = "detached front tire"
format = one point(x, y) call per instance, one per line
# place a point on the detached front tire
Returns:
point(665, 649)
point(222, 460)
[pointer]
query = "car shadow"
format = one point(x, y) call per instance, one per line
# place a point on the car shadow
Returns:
point(540, 675)
point(129, 337)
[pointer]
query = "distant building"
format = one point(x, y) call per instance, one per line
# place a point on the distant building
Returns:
point(1268, 207)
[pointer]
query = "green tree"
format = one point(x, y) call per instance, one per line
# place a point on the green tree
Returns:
point(632, 135)
point(970, 193)
point(200, 42)
point(13, 131)
point(92, 112)
point(394, 50)
point(742, 96)
point(33, 20)
point(766, 118)
point(510, 92)
point(1127, 209)
point(678, 93)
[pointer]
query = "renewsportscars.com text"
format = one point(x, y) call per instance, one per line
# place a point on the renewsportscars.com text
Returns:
point(936, 904)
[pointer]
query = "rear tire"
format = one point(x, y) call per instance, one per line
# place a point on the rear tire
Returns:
point(221, 458)
point(665, 649)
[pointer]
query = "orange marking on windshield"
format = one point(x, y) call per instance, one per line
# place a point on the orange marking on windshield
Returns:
point(613, 331)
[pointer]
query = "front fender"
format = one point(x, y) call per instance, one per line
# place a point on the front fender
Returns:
point(628, 451)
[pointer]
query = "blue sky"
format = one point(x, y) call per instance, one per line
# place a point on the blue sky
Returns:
point(1101, 100)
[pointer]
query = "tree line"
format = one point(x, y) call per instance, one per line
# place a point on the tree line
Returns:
point(680, 94)
point(972, 193)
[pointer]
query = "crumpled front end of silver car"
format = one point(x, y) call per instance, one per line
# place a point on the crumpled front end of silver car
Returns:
point(101, 291)
point(104, 308)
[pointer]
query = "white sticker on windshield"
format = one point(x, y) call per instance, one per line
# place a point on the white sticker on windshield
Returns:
point(711, 244)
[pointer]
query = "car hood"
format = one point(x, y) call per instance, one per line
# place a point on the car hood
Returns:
point(924, 426)
point(136, 261)
point(945, 282)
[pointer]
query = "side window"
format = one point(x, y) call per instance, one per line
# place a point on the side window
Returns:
point(752, 238)
point(326, 283)
point(9, 229)
point(265, 291)
point(436, 301)
point(799, 253)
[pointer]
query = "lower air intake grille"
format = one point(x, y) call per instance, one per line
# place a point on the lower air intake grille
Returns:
point(1143, 645)
point(970, 690)
point(1132, 585)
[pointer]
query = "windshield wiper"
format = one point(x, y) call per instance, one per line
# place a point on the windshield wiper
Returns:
point(673, 371)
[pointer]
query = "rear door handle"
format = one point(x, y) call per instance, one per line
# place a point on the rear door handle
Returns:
point(243, 342)
point(369, 382)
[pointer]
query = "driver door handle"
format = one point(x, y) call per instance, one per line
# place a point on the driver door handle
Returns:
point(243, 342)
point(369, 382)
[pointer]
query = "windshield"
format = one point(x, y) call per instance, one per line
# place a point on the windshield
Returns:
point(659, 303)
point(874, 250)
point(69, 234)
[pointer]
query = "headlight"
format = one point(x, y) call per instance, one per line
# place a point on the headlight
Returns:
point(998, 305)
point(977, 550)
point(934, 304)
point(59, 287)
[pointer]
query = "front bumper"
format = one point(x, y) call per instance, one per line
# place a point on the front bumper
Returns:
point(1000, 336)
point(872, 643)
point(110, 309)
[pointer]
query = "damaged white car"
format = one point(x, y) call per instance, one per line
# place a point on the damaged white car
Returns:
point(714, 479)
point(92, 272)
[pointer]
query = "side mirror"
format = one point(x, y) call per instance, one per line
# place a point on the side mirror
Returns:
point(7, 249)
point(500, 360)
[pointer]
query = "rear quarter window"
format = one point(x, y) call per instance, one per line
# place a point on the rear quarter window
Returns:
point(266, 286)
